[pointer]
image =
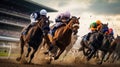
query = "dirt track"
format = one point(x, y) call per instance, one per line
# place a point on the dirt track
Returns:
point(13, 63)
point(39, 61)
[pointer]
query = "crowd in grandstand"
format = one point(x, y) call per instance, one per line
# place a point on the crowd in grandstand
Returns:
point(13, 20)
point(9, 33)
point(14, 10)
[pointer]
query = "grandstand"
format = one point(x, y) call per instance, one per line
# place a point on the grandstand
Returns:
point(14, 16)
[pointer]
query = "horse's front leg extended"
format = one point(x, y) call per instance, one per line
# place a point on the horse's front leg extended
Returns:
point(32, 55)
point(21, 50)
point(93, 51)
point(59, 53)
point(29, 49)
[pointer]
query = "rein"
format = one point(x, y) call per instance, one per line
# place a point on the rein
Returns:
point(39, 24)
point(68, 26)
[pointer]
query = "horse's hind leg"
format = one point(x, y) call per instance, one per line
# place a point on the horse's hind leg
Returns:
point(103, 55)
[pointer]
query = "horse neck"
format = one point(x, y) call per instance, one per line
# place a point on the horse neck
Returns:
point(67, 27)
point(67, 32)
point(39, 24)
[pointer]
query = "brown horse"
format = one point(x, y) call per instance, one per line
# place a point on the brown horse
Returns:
point(33, 38)
point(106, 48)
point(62, 36)
point(114, 49)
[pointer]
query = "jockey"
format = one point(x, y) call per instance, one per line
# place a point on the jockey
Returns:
point(110, 32)
point(61, 19)
point(95, 26)
point(34, 17)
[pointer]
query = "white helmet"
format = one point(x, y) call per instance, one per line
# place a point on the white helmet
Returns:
point(67, 14)
point(43, 12)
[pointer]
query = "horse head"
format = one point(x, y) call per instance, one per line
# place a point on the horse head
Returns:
point(43, 22)
point(74, 23)
point(103, 28)
point(117, 39)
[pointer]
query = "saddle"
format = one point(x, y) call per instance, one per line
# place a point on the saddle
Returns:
point(52, 31)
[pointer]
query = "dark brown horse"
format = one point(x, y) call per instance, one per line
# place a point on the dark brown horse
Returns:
point(62, 37)
point(106, 48)
point(94, 43)
point(33, 38)
point(114, 49)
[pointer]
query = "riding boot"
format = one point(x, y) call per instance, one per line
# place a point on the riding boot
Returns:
point(88, 36)
point(53, 30)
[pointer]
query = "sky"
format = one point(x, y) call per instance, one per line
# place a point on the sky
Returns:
point(108, 11)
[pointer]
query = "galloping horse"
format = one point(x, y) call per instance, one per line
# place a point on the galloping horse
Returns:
point(95, 42)
point(106, 47)
point(115, 48)
point(33, 38)
point(62, 36)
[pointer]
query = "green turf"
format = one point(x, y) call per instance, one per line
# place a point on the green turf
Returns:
point(3, 53)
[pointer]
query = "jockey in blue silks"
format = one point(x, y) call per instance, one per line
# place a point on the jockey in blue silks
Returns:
point(34, 17)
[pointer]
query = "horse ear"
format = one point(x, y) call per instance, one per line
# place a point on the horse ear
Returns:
point(78, 18)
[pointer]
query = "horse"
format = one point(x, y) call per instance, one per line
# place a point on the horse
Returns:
point(62, 36)
point(106, 47)
point(33, 38)
point(94, 43)
point(69, 47)
point(115, 48)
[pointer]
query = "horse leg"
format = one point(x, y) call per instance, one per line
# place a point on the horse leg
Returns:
point(108, 56)
point(59, 53)
point(21, 50)
point(114, 57)
point(96, 55)
point(32, 55)
point(83, 47)
point(29, 49)
point(93, 51)
point(91, 54)
point(88, 52)
point(103, 55)
point(84, 51)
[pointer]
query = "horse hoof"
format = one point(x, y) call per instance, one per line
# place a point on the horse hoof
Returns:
point(55, 58)
point(49, 62)
point(99, 63)
point(18, 59)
